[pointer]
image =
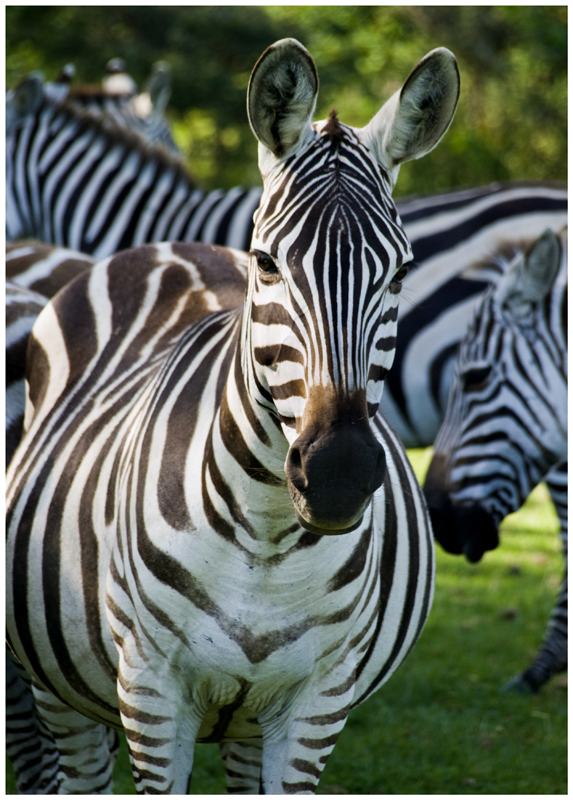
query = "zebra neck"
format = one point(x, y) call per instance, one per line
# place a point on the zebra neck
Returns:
point(249, 449)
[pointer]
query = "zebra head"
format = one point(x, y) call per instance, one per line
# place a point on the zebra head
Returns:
point(23, 100)
point(505, 426)
point(328, 254)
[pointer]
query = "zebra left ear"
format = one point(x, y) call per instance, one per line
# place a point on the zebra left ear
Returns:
point(282, 96)
point(414, 120)
point(531, 276)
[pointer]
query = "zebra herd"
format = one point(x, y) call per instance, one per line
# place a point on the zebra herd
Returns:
point(214, 533)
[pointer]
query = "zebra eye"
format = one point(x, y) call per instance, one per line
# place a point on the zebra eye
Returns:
point(396, 282)
point(475, 379)
point(265, 263)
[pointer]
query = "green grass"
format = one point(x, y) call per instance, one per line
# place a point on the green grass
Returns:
point(441, 725)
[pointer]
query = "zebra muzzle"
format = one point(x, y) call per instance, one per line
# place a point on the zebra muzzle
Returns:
point(332, 472)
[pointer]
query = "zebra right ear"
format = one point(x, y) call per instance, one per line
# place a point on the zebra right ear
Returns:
point(159, 86)
point(23, 101)
point(282, 96)
point(414, 119)
point(530, 277)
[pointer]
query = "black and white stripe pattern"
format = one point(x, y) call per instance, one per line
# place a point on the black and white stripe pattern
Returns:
point(214, 569)
point(448, 233)
point(506, 424)
point(119, 101)
point(461, 241)
point(34, 272)
point(75, 179)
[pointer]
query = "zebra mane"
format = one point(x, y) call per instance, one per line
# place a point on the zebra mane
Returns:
point(332, 129)
point(131, 139)
point(90, 91)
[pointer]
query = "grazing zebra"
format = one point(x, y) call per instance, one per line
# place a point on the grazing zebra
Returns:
point(191, 550)
point(506, 424)
point(455, 238)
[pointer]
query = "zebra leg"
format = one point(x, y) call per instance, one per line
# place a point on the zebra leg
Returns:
point(296, 748)
point(243, 766)
point(161, 729)
point(552, 656)
point(87, 749)
point(30, 747)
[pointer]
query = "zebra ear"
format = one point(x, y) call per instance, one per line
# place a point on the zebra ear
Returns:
point(531, 276)
point(416, 117)
point(282, 96)
point(23, 101)
point(159, 86)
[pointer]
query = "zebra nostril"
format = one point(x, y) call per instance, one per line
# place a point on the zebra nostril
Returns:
point(295, 471)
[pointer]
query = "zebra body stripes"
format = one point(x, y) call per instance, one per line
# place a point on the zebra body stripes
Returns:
point(229, 579)
point(143, 113)
point(455, 237)
point(506, 424)
point(78, 180)
point(34, 272)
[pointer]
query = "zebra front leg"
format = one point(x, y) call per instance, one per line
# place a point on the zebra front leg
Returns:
point(161, 729)
point(87, 749)
point(243, 766)
point(295, 751)
point(552, 656)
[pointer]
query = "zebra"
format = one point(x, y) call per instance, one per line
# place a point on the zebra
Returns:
point(118, 100)
point(506, 423)
point(253, 406)
point(460, 239)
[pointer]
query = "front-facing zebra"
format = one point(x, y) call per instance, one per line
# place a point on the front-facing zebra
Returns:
point(210, 539)
point(506, 423)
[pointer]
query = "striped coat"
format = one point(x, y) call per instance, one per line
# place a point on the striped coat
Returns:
point(232, 580)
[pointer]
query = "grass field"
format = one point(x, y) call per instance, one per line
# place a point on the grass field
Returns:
point(441, 725)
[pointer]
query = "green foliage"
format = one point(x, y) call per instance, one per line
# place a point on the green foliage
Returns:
point(511, 122)
point(441, 725)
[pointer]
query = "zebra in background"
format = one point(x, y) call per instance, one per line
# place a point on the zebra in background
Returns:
point(121, 190)
point(119, 101)
point(456, 238)
point(251, 416)
point(22, 308)
point(506, 423)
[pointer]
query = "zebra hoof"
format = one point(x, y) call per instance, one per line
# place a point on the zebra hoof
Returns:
point(519, 685)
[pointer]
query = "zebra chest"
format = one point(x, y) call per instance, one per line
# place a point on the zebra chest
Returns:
point(242, 639)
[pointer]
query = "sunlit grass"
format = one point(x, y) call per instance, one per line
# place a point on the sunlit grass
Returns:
point(441, 725)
